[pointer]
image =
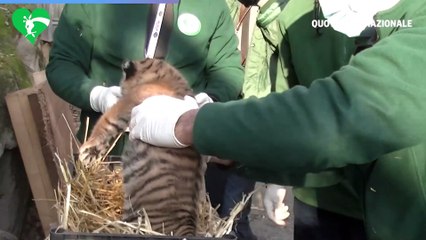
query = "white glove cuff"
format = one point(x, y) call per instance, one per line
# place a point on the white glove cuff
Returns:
point(202, 99)
point(177, 143)
point(179, 114)
point(167, 137)
point(95, 96)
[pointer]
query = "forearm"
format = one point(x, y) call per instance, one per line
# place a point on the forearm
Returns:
point(184, 132)
point(225, 74)
point(226, 84)
point(358, 114)
point(184, 127)
point(74, 86)
point(70, 57)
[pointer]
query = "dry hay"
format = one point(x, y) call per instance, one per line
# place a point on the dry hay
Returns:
point(90, 200)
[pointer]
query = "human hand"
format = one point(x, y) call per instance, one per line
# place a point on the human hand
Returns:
point(154, 120)
point(273, 202)
point(202, 99)
point(103, 98)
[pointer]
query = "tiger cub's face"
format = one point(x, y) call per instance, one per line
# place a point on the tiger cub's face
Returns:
point(151, 77)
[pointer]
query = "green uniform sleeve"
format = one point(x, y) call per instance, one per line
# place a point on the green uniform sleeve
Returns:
point(70, 57)
point(223, 66)
point(374, 105)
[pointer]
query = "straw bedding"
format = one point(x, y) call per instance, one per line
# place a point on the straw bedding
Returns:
point(90, 200)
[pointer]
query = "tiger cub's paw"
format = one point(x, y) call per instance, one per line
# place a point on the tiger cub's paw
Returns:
point(90, 152)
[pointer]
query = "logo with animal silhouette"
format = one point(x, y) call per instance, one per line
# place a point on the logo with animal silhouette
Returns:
point(31, 24)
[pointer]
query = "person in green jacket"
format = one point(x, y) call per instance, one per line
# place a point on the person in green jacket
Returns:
point(92, 41)
point(365, 121)
point(225, 187)
point(318, 209)
point(261, 64)
point(328, 203)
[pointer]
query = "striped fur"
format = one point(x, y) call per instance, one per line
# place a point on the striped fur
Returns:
point(166, 183)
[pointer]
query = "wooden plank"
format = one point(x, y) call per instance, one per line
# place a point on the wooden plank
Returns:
point(28, 139)
point(59, 115)
point(40, 120)
point(58, 126)
point(45, 141)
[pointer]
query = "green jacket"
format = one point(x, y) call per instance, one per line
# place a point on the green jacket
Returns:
point(92, 41)
point(263, 63)
point(365, 120)
point(269, 60)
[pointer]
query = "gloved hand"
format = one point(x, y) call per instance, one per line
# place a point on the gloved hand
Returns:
point(153, 121)
point(202, 99)
point(273, 201)
point(103, 98)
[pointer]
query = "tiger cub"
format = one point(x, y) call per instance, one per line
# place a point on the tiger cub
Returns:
point(167, 183)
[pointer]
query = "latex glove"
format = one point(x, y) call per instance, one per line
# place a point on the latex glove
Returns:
point(103, 98)
point(153, 121)
point(273, 201)
point(202, 99)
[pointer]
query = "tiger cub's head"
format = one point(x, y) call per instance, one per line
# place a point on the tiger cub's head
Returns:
point(151, 77)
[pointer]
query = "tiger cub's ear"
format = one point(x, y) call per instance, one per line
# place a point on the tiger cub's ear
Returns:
point(129, 68)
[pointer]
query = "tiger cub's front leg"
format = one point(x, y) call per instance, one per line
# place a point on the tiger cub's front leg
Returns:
point(107, 129)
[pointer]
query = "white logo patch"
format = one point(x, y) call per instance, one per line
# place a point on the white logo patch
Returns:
point(189, 24)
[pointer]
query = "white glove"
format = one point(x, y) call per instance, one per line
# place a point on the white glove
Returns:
point(273, 200)
point(103, 98)
point(202, 99)
point(153, 121)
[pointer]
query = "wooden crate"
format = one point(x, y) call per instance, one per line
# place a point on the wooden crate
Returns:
point(37, 116)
